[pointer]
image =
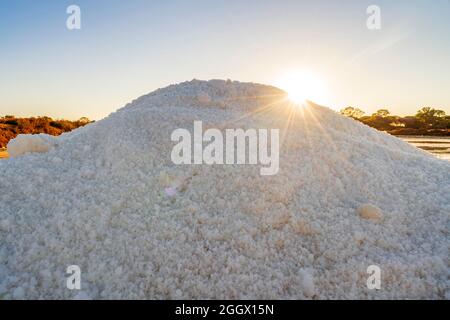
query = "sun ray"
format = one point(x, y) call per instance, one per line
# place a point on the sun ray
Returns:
point(263, 109)
point(326, 135)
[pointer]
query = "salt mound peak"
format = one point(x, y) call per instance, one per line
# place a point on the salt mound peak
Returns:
point(212, 93)
point(108, 198)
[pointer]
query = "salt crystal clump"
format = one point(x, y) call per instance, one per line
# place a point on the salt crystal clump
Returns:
point(203, 98)
point(99, 200)
point(18, 293)
point(371, 212)
point(27, 143)
point(307, 282)
point(303, 227)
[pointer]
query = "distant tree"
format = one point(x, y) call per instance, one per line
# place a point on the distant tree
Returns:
point(427, 112)
point(84, 120)
point(382, 113)
point(11, 122)
point(447, 122)
point(440, 113)
point(411, 122)
point(352, 112)
point(11, 126)
point(56, 124)
point(431, 117)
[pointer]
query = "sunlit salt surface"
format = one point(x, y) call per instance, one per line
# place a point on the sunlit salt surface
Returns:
point(108, 198)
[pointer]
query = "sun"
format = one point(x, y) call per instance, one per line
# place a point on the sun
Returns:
point(302, 86)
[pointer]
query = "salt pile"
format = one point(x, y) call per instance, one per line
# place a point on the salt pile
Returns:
point(108, 198)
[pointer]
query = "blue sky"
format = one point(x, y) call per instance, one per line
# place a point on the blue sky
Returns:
point(129, 48)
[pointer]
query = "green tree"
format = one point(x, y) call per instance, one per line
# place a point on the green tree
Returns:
point(382, 113)
point(84, 120)
point(427, 113)
point(352, 112)
point(431, 117)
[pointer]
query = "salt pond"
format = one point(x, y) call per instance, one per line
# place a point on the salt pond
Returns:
point(438, 146)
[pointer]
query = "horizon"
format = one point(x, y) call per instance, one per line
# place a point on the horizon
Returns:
point(126, 50)
point(413, 113)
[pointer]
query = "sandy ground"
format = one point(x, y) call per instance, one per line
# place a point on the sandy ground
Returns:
point(3, 154)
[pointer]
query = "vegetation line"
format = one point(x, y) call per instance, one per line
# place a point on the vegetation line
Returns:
point(10, 127)
point(426, 122)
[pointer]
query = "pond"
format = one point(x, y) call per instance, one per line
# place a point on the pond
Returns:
point(438, 146)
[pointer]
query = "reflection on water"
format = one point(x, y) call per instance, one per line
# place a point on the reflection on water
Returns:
point(439, 146)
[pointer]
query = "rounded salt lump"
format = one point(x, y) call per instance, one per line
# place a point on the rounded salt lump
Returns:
point(26, 143)
point(371, 212)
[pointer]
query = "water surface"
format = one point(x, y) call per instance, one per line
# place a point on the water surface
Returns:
point(438, 146)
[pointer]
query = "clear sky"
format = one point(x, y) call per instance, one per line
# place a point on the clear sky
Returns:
point(128, 48)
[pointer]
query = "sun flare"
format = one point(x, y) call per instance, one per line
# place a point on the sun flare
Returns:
point(303, 86)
